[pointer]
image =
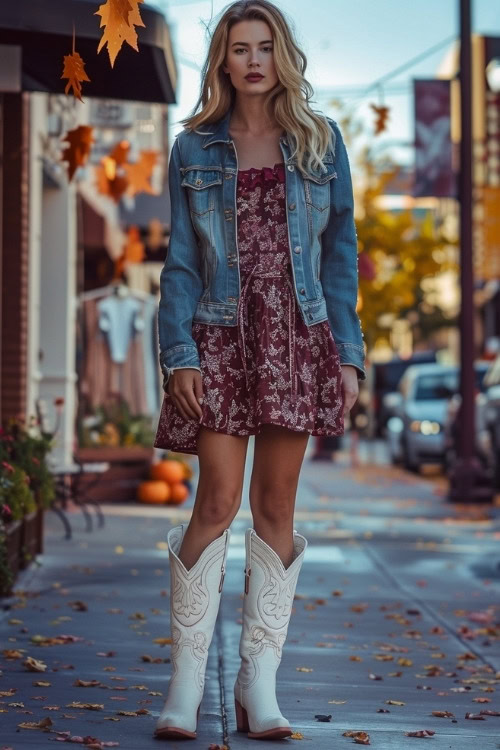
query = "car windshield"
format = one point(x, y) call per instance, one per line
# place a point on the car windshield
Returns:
point(436, 386)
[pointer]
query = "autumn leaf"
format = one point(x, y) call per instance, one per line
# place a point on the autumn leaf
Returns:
point(113, 185)
point(74, 72)
point(139, 173)
point(119, 17)
point(34, 665)
point(80, 142)
point(90, 706)
point(42, 724)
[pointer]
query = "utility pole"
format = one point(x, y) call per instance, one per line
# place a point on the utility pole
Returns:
point(468, 480)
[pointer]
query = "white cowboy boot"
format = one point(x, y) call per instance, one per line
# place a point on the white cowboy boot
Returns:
point(267, 605)
point(194, 604)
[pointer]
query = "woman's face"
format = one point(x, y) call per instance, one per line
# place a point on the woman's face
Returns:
point(250, 50)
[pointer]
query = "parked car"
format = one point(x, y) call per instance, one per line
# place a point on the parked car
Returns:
point(483, 437)
point(384, 378)
point(415, 431)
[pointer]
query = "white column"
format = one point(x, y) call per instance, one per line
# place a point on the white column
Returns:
point(58, 311)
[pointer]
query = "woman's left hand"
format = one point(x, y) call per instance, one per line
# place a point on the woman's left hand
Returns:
point(350, 387)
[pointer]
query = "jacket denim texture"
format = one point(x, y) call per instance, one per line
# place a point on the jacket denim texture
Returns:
point(200, 279)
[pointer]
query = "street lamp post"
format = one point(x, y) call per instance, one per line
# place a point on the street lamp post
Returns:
point(468, 480)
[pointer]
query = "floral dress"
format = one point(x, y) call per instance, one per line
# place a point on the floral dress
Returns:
point(271, 367)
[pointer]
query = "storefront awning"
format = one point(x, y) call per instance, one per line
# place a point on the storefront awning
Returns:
point(43, 30)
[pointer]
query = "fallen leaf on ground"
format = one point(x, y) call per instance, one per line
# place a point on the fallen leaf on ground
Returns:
point(421, 733)
point(34, 665)
point(90, 706)
point(470, 715)
point(42, 724)
point(443, 714)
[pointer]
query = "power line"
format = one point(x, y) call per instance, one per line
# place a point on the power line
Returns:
point(401, 68)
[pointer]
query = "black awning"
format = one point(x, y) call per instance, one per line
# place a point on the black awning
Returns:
point(44, 30)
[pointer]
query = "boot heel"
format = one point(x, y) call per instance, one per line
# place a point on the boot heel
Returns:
point(241, 717)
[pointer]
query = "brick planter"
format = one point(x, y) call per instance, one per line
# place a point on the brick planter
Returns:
point(13, 536)
point(29, 539)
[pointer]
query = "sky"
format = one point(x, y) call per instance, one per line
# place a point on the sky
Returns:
point(349, 44)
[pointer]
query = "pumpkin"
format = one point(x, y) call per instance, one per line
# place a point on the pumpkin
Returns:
point(178, 493)
point(170, 471)
point(153, 491)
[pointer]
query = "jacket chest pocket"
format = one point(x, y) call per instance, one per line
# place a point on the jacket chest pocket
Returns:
point(202, 184)
point(317, 190)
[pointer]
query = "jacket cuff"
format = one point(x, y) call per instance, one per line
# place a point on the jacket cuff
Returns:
point(184, 355)
point(352, 354)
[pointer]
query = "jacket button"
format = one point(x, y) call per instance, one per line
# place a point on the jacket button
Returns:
point(291, 206)
point(228, 176)
point(297, 249)
point(302, 291)
point(291, 167)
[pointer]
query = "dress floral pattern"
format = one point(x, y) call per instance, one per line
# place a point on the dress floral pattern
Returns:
point(270, 368)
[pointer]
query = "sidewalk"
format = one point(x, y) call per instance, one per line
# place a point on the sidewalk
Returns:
point(391, 576)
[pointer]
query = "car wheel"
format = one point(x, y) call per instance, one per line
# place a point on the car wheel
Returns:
point(408, 463)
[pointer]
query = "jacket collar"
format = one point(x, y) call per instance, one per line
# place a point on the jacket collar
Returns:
point(219, 131)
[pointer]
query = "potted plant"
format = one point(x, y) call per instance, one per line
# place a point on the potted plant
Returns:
point(32, 489)
point(112, 434)
point(17, 503)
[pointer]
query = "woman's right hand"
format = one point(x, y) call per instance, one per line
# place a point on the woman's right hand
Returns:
point(185, 388)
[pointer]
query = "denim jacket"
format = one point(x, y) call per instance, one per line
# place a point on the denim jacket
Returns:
point(200, 280)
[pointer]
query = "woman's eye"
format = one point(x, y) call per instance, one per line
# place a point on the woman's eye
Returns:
point(241, 49)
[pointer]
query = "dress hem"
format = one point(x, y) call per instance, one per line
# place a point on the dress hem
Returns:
point(313, 433)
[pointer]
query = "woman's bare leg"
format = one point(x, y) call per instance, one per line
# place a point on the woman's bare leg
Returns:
point(218, 495)
point(279, 453)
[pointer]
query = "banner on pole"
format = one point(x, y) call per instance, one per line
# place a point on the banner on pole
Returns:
point(434, 175)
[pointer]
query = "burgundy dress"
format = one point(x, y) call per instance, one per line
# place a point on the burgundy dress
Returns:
point(271, 367)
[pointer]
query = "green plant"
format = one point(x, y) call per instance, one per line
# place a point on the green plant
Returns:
point(26, 450)
point(113, 425)
point(16, 494)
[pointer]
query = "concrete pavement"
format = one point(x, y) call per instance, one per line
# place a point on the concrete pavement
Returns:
point(397, 615)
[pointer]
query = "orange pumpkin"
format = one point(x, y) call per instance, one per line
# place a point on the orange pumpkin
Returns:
point(178, 493)
point(153, 491)
point(170, 471)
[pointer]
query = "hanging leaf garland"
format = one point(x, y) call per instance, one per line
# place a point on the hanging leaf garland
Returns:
point(77, 152)
point(74, 72)
point(119, 17)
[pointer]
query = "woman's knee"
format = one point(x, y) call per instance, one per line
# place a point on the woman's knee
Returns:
point(273, 505)
point(218, 508)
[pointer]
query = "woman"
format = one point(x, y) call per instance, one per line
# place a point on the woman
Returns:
point(258, 335)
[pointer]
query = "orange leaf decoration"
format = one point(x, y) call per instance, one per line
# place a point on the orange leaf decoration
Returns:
point(74, 72)
point(134, 249)
point(80, 143)
point(109, 182)
point(140, 172)
point(119, 17)
point(120, 152)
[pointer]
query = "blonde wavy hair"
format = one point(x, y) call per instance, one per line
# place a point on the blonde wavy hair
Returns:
point(287, 102)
